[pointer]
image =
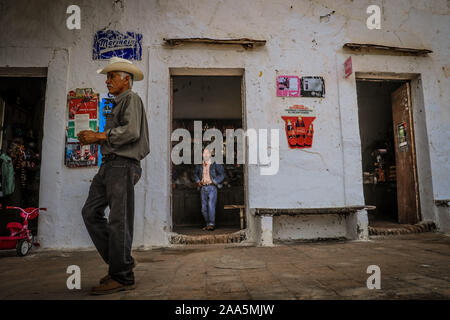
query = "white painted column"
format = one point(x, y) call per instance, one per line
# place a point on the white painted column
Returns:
point(358, 225)
point(266, 239)
point(52, 224)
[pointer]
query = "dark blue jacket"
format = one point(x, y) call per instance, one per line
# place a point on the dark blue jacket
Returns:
point(216, 173)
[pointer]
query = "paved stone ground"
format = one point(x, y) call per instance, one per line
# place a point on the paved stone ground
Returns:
point(413, 266)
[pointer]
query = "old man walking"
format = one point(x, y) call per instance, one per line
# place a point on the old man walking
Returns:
point(124, 143)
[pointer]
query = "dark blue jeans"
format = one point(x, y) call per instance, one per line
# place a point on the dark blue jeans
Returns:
point(209, 199)
point(113, 186)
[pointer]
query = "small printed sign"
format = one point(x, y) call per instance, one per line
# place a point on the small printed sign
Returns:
point(288, 86)
point(348, 67)
point(313, 87)
point(110, 43)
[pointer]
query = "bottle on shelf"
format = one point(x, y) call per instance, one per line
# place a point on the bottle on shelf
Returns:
point(291, 134)
point(300, 131)
point(309, 136)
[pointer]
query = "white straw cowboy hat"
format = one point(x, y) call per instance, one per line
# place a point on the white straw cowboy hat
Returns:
point(119, 64)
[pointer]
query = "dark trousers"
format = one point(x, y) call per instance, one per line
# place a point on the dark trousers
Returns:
point(113, 186)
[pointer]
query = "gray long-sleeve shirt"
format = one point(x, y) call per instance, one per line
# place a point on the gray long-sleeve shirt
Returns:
point(126, 128)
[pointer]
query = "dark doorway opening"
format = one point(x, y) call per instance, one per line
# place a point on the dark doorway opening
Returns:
point(388, 151)
point(216, 101)
point(22, 102)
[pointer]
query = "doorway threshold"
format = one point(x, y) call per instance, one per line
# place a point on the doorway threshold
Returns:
point(191, 235)
point(384, 228)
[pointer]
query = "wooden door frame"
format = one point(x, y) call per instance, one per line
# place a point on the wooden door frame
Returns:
point(2, 120)
point(208, 72)
point(406, 78)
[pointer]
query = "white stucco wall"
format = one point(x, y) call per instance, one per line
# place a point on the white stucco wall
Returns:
point(33, 34)
point(309, 227)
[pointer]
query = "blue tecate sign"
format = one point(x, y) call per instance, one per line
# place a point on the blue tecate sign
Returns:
point(110, 43)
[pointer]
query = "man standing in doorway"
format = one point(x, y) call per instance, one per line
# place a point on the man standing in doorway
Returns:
point(123, 144)
point(208, 177)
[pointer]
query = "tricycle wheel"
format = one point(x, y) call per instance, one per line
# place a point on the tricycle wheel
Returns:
point(22, 248)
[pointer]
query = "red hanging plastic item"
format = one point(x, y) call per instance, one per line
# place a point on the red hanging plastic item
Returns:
point(298, 126)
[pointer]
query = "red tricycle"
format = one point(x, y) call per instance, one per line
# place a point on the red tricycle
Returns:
point(20, 237)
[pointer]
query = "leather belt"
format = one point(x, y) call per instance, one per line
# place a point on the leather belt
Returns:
point(111, 157)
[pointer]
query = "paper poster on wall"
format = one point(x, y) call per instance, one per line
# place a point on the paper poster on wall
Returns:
point(83, 115)
point(401, 136)
point(298, 121)
point(313, 87)
point(83, 101)
point(78, 156)
point(110, 43)
point(288, 86)
point(72, 134)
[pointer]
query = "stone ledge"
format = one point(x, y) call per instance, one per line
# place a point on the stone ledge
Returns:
point(306, 211)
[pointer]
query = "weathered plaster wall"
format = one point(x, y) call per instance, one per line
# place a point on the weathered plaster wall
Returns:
point(298, 42)
point(309, 227)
